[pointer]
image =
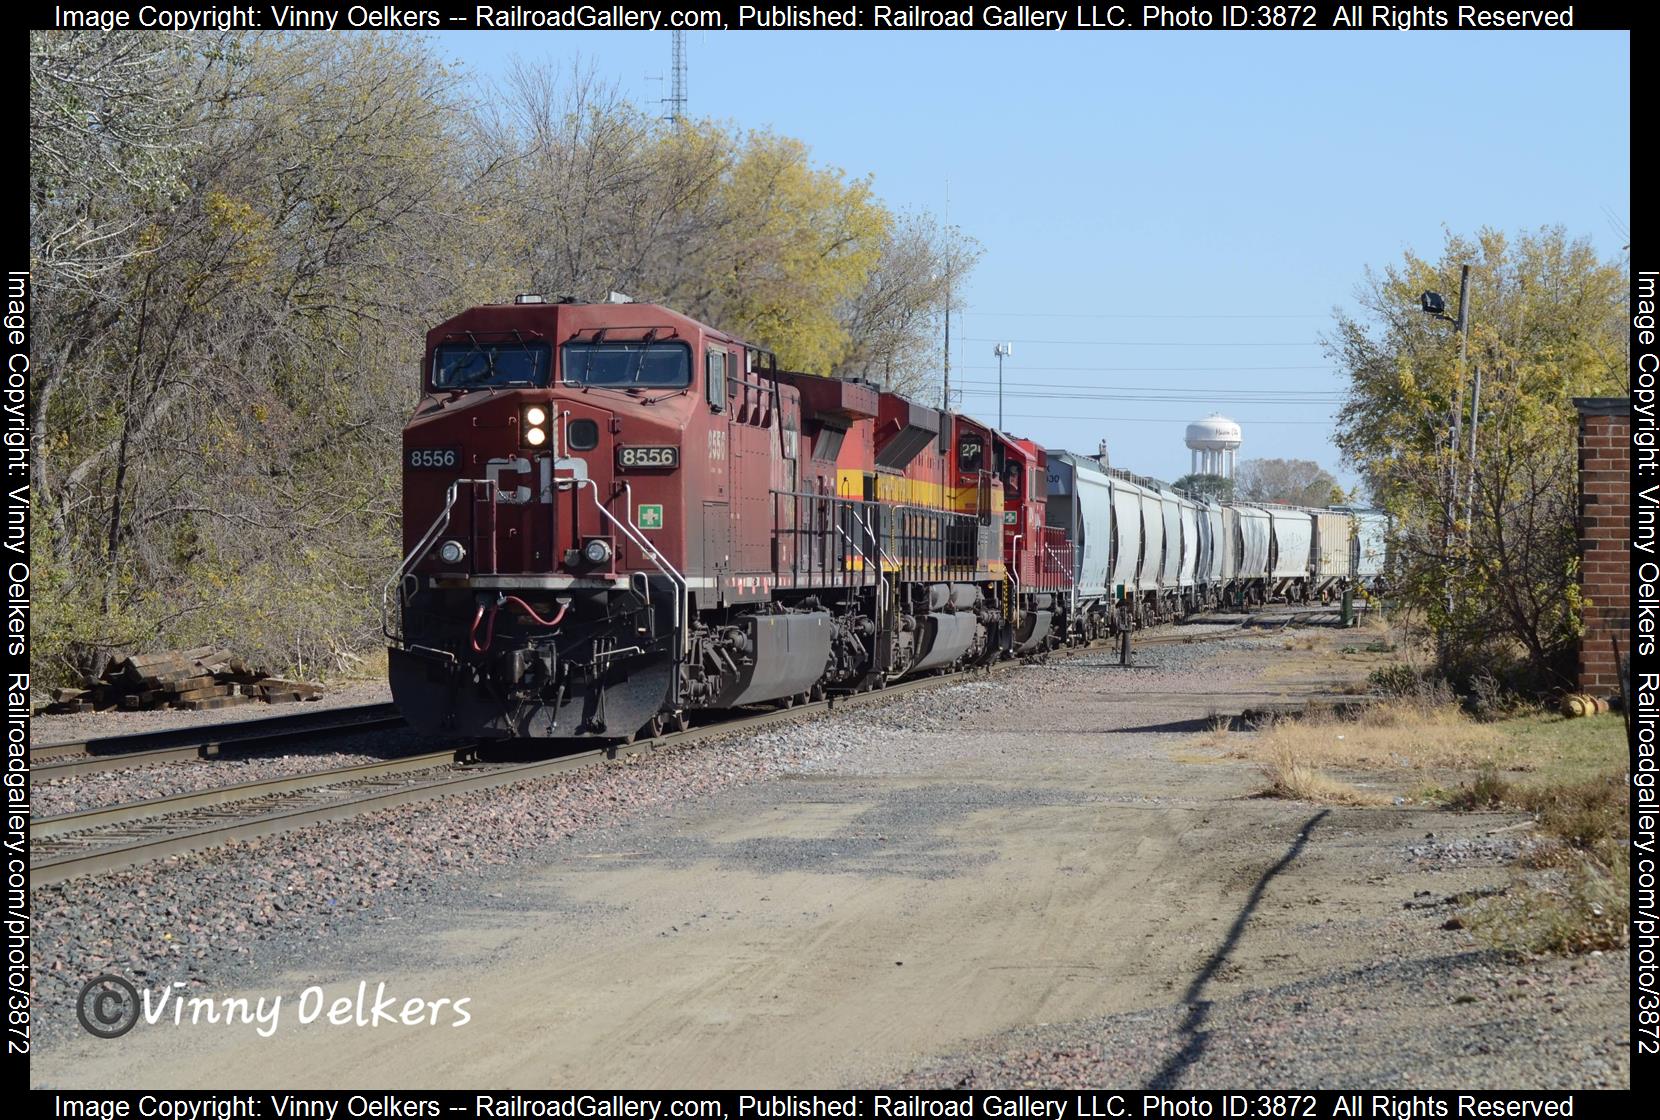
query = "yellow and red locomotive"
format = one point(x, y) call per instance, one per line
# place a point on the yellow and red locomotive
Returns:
point(615, 515)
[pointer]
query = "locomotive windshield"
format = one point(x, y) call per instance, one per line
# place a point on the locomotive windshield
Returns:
point(627, 365)
point(489, 365)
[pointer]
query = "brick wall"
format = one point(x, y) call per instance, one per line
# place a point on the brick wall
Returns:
point(1604, 538)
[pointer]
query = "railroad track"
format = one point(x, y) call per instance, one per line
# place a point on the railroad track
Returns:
point(73, 845)
point(79, 756)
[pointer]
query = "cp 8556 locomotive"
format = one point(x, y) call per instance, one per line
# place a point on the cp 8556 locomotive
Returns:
point(615, 515)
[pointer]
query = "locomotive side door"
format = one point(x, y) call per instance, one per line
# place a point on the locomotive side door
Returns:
point(717, 489)
point(717, 546)
point(719, 396)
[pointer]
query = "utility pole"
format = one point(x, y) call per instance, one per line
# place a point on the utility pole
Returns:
point(945, 403)
point(1450, 506)
point(1002, 351)
point(1433, 304)
point(1463, 327)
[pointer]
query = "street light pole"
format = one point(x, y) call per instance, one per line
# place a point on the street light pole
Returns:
point(1002, 351)
point(1433, 304)
point(1462, 325)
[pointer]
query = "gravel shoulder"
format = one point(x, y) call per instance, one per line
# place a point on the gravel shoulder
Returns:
point(1028, 879)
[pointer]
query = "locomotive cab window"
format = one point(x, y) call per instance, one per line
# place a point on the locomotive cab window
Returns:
point(628, 365)
point(715, 389)
point(489, 365)
point(971, 455)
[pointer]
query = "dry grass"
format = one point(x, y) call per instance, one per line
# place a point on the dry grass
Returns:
point(1295, 779)
point(1391, 735)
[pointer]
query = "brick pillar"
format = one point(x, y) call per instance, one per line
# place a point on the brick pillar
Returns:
point(1604, 538)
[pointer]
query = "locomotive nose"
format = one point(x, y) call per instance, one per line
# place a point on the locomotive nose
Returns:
point(524, 466)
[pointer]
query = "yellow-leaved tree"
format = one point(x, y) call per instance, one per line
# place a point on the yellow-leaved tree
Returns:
point(804, 241)
point(1485, 539)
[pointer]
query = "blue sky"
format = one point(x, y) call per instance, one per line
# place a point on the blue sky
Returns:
point(1167, 214)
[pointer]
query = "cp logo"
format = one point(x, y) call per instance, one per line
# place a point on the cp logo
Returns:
point(108, 1006)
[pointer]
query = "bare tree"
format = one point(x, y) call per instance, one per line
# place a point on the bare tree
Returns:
point(1298, 482)
point(895, 320)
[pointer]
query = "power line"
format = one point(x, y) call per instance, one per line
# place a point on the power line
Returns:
point(1164, 397)
point(1124, 315)
point(1161, 369)
point(1116, 342)
point(1040, 388)
point(1150, 419)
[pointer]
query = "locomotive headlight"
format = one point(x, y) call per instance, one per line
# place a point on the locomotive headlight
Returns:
point(597, 551)
point(452, 552)
point(533, 425)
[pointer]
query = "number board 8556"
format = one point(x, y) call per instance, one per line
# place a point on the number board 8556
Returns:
point(648, 458)
point(432, 458)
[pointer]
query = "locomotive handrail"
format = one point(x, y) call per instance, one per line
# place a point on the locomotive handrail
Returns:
point(853, 544)
point(882, 557)
point(1071, 580)
point(418, 553)
point(1014, 577)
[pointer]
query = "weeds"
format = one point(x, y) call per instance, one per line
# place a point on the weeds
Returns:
point(1397, 679)
point(1488, 791)
point(1293, 778)
point(1581, 907)
point(1577, 900)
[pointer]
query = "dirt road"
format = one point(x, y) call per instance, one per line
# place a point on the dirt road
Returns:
point(941, 900)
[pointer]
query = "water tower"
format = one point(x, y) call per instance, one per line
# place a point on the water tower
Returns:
point(1214, 442)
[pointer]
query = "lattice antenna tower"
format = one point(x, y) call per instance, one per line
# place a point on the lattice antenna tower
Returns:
point(676, 99)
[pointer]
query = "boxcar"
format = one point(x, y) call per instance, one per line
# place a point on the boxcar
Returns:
point(1333, 564)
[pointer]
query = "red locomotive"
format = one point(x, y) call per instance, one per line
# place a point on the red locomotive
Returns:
point(615, 515)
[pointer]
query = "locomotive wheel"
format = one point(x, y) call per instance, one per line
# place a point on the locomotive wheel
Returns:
point(817, 693)
point(653, 729)
point(784, 702)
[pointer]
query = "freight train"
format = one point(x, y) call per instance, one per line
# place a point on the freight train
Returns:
point(615, 515)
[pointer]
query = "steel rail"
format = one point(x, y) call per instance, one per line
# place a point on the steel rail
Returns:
point(41, 828)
